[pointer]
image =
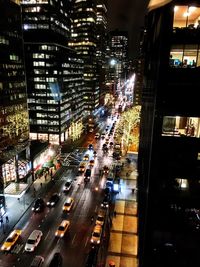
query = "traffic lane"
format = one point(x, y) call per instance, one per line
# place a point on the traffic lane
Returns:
point(27, 224)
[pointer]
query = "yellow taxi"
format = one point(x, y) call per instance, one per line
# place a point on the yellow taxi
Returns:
point(82, 167)
point(86, 157)
point(96, 235)
point(11, 240)
point(62, 228)
point(68, 204)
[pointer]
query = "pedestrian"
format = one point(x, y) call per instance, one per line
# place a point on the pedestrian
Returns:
point(127, 174)
point(7, 219)
point(115, 213)
point(41, 184)
point(45, 176)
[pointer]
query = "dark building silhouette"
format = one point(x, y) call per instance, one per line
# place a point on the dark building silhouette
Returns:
point(169, 151)
point(14, 124)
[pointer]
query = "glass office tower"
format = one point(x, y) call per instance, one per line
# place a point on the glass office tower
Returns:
point(54, 72)
point(169, 153)
point(84, 41)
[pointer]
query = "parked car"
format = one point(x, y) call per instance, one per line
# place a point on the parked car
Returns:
point(53, 200)
point(39, 205)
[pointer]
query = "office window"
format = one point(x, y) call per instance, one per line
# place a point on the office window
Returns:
point(186, 16)
point(184, 56)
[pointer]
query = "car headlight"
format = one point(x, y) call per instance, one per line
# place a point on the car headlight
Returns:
point(62, 235)
point(3, 247)
point(48, 203)
point(8, 248)
point(98, 241)
point(37, 208)
point(92, 241)
point(52, 203)
point(56, 233)
point(32, 208)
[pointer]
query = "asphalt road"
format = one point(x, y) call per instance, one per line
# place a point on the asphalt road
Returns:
point(75, 245)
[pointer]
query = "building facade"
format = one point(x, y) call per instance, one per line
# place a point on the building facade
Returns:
point(14, 125)
point(54, 72)
point(169, 151)
point(84, 41)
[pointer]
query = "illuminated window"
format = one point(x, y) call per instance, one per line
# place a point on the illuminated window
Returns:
point(186, 16)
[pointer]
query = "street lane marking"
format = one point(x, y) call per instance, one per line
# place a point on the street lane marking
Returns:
point(73, 239)
point(47, 235)
point(86, 241)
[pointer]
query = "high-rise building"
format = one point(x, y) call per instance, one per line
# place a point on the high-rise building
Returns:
point(102, 42)
point(119, 51)
point(14, 125)
point(84, 41)
point(169, 151)
point(54, 72)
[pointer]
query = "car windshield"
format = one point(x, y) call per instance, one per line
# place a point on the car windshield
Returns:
point(10, 239)
point(67, 203)
point(100, 218)
point(31, 241)
point(67, 184)
point(95, 234)
point(61, 228)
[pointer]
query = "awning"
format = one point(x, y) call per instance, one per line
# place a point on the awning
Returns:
point(15, 190)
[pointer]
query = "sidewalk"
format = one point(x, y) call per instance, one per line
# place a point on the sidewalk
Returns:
point(123, 241)
point(16, 208)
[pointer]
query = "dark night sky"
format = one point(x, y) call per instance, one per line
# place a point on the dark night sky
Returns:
point(128, 15)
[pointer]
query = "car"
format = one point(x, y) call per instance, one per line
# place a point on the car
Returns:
point(86, 157)
point(11, 240)
point(105, 202)
point(33, 240)
point(107, 191)
point(68, 185)
point(87, 175)
point(91, 163)
point(68, 204)
point(62, 228)
point(37, 261)
point(56, 260)
point(81, 167)
point(90, 147)
point(97, 135)
point(53, 200)
point(39, 205)
point(105, 169)
point(100, 217)
point(96, 235)
point(103, 135)
point(107, 141)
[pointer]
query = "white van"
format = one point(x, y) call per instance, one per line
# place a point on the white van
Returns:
point(33, 240)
